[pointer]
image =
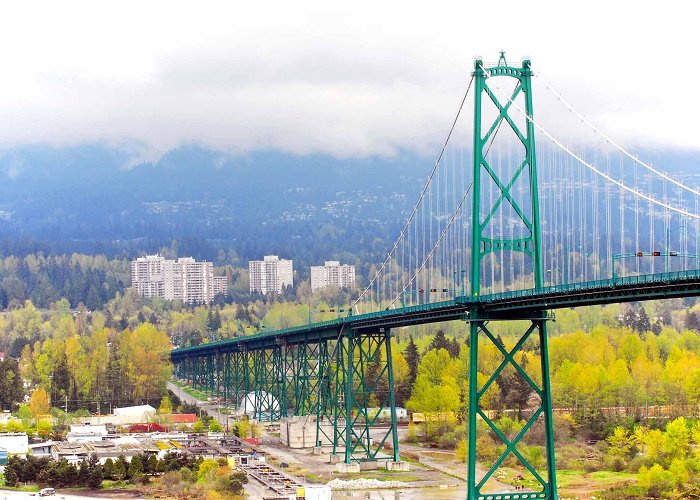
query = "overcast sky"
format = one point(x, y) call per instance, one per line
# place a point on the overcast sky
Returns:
point(364, 78)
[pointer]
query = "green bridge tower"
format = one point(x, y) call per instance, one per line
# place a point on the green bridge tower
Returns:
point(529, 244)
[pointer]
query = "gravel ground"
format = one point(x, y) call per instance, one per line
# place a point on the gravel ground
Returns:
point(366, 484)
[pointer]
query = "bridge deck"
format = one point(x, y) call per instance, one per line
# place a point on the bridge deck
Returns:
point(505, 305)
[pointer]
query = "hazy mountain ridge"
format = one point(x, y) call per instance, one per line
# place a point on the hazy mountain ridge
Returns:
point(83, 198)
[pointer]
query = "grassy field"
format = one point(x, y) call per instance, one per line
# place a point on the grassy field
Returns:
point(578, 482)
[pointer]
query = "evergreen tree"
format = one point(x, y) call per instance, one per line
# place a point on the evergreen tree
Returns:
point(515, 390)
point(83, 472)
point(642, 324)
point(210, 321)
point(151, 464)
point(96, 477)
point(11, 388)
point(135, 466)
point(440, 341)
point(454, 347)
point(217, 320)
point(108, 469)
point(413, 359)
point(119, 471)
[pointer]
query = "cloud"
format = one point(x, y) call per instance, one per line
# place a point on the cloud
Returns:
point(363, 79)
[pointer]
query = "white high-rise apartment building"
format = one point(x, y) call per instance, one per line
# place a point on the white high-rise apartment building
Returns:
point(183, 279)
point(271, 274)
point(332, 274)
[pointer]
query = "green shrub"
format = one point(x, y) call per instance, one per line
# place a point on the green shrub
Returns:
point(656, 481)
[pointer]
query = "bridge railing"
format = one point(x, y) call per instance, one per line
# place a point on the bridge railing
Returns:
point(592, 285)
point(463, 301)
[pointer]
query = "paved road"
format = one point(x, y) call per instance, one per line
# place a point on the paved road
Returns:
point(211, 409)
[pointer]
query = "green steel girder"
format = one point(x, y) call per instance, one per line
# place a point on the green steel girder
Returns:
point(331, 405)
point(351, 371)
point(303, 363)
point(606, 291)
point(368, 367)
point(268, 383)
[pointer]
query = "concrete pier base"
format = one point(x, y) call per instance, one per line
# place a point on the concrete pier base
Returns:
point(318, 450)
point(342, 467)
point(398, 466)
point(369, 465)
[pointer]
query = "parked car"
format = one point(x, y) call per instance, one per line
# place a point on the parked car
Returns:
point(45, 492)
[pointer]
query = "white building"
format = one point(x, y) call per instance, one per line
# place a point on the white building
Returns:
point(183, 279)
point(14, 443)
point(332, 274)
point(271, 274)
point(85, 433)
point(140, 413)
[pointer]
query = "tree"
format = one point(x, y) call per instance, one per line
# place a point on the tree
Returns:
point(655, 480)
point(14, 425)
point(96, 477)
point(440, 342)
point(691, 321)
point(150, 464)
point(635, 317)
point(412, 358)
point(236, 481)
point(10, 383)
point(166, 406)
point(147, 360)
point(44, 428)
point(108, 469)
point(515, 390)
point(242, 428)
point(436, 388)
point(677, 439)
point(83, 472)
point(39, 403)
point(198, 426)
point(454, 347)
point(214, 425)
point(135, 466)
point(119, 470)
point(620, 442)
point(207, 469)
point(24, 414)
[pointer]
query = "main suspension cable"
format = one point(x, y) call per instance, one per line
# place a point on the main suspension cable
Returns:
point(621, 185)
point(612, 142)
point(418, 203)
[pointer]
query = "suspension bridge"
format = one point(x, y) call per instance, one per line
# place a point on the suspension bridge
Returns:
point(549, 213)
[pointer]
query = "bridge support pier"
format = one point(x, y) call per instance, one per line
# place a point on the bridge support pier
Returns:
point(511, 366)
point(357, 391)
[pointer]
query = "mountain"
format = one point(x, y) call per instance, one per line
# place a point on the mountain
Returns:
point(85, 199)
point(203, 203)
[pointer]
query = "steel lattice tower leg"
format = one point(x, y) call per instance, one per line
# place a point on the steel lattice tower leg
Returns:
point(482, 244)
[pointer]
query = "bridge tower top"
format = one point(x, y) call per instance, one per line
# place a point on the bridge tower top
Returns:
point(526, 213)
